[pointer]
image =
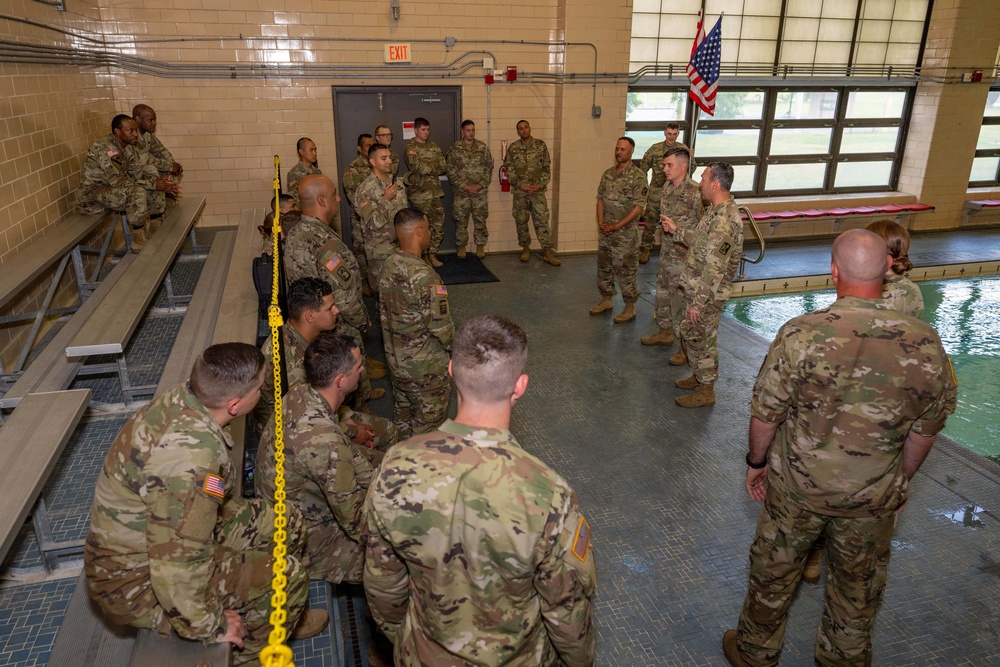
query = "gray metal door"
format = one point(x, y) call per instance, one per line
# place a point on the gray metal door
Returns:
point(357, 110)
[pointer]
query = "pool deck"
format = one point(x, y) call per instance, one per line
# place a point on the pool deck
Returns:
point(662, 487)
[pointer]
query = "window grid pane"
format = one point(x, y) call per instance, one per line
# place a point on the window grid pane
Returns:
point(808, 176)
point(863, 174)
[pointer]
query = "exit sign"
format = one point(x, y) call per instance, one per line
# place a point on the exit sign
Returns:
point(397, 53)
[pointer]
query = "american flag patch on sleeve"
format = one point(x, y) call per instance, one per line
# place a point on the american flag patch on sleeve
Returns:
point(441, 290)
point(214, 486)
point(332, 263)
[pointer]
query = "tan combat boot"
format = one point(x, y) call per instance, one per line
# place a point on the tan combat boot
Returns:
point(730, 651)
point(434, 261)
point(139, 239)
point(678, 358)
point(661, 337)
point(480, 250)
point(549, 257)
point(461, 253)
point(154, 224)
point(813, 567)
point(627, 314)
point(644, 256)
point(686, 383)
point(373, 364)
point(603, 307)
point(702, 397)
point(525, 253)
point(376, 393)
point(313, 622)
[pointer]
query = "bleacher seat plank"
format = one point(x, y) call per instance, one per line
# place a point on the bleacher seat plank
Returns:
point(199, 323)
point(39, 254)
point(108, 330)
point(31, 440)
point(238, 316)
point(52, 370)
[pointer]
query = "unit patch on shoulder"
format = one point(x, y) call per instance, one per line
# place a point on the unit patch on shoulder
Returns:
point(214, 486)
point(582, 540)
point(724, 249)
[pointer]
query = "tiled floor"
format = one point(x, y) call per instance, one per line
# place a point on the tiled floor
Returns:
point(663, 490)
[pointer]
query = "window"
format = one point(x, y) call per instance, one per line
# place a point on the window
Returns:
point(986, 164)
point(783, 140)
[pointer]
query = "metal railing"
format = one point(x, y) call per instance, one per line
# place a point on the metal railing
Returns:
point(760, 238)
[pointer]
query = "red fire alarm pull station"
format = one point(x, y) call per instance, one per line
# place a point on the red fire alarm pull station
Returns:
point(977, 75)
point(489, 79)
point(511, 73)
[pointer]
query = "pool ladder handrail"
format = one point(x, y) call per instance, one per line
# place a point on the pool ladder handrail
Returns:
point(760, 238)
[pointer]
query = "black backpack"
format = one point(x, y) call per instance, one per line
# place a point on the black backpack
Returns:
point(263, 277)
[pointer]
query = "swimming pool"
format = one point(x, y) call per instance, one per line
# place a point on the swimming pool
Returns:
point(966, 314)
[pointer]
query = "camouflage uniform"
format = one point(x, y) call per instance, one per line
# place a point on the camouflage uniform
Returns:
point(326, 478)
point(417, 331)
point(170, 547)
point(530, 165)
point(295, 176)
point(470, 166)
point(682, 205)
point(376, 215)
point(426, 164)
point(845, 385)
point(313, 249)
point(653, 159)
point(520, 592)
point(384, 432)
point(355, 175)
point(716, 245)
point(114, 177)
point(152, 151)
point(902, 294)
point(618, 252)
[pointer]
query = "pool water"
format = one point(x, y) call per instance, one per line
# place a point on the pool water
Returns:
point(966, 314)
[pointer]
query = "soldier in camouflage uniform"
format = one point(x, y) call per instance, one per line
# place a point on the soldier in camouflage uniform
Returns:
point(426, 164)
point(114, 177)
point(326, 475)
point(311, 311)
point(306, 166)
point(620, 198)
point(899, 293)
point(470, 169)
point(151, 149)
point(383, 135)
point(377, 200)
point(478, 553)
point(354, 176)
point(716, 245)
point(529, 170)
point(416, 329)
point(681, 203)
point(845, 409)
point(313, 249)
point(170, 546)
point(653, 159)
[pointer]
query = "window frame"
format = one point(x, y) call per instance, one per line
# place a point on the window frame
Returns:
point(833, 158)
point(989, 152)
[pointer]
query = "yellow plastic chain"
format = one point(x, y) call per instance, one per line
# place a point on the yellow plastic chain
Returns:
point(277, 653)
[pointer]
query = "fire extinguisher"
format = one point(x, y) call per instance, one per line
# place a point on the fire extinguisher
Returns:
point(504, 181)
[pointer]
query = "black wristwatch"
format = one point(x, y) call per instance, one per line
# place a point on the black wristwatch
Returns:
point(756, 466)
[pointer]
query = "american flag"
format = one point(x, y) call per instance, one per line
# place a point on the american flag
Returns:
point(703, 70)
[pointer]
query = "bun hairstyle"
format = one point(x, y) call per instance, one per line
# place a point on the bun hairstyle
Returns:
point(897, 242)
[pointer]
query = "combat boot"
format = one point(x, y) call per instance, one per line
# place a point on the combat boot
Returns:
point(661, 337)
point(549, 257)
point(375, 373)
point(686, 383)
point(480, 250)
point(366, 289)
point(139, 239)
point(627, 314)
point(603, 307)
point(376, 393)
point(154, 224)
point(313, 622)
point(525, 253)
point(644, 256)
point(702, 397)
point(461, 253)
point(373, 364)
point(730, 651)
point(813, 567)
point(678, 358)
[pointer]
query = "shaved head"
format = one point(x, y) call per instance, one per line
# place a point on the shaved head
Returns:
point(312, 187)
point(140, 109)
point(860, 257)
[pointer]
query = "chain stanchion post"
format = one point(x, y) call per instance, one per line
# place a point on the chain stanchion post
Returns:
point(277, 653)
